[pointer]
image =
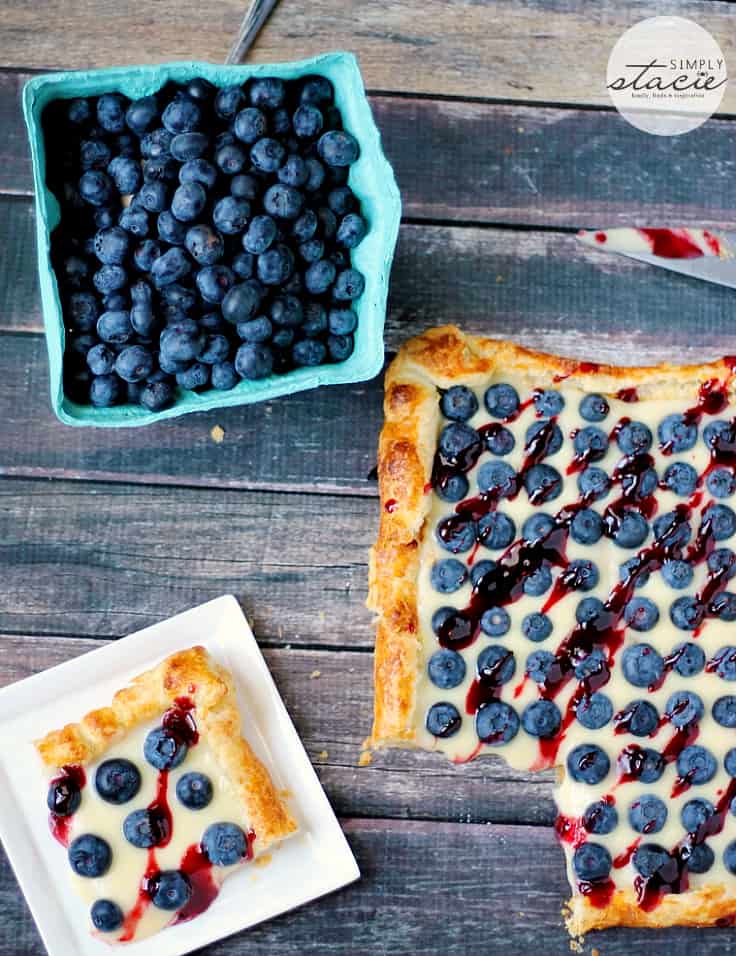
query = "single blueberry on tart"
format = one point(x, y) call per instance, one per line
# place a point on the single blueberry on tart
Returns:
point(157, 798)
point(553, 583)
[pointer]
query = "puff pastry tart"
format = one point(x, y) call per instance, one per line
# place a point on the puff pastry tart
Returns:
point(552, 579)
point(158, 798)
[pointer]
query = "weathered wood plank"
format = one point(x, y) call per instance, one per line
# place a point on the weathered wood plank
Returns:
point(545, 50)
point(103, 560)
point(514, 164)
point(329, 696)
point(426, 888)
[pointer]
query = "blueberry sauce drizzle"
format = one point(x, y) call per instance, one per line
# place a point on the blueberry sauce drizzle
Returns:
point(196, 865)
point(67, 785)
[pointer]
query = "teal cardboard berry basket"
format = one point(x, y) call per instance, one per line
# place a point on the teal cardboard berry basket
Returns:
point(371, 179)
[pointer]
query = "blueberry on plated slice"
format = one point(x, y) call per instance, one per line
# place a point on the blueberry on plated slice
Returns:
point(162, 750)
point(701, 858)
point(581, 575)
point(496, 531)
point(721, 483)
point(591, 862)
point(591, 442)
point(600, 818)
point(90, 856)
point(106, 916)
point(641, 614)
point(631, 529)
point(448, 575)
point(480, 569)
point(169, 889)
point(548, 402)
point(542, 483)
point(595, 711)
point(537, 527)
point(721, 520)
point(684, 707)
point(117, 780)
point(553, 442)
point(669, 528)
point(587, 763)
point(594, 408)
point(681, 478)
point(495, 622)
point(634, 438)
point(539, 664)
point(64, 797)
point(696, 765)
point(501, 400)
point(443, 720)
point(640, 718)
point(642, 665)
point(586, 527)
point(145, 828)
point(536, 626)
point(496, 723)
point(541, 718)
point(649, 858)
point(594, 483)
point(676, 434)
point(538, 582)
point(677, 573)
point(446, 669)
point(497, 478)
point(454, 488)
point(194, 790)
point(596, 662)
point(588, 610)
point(458, 403)
point(695, 813)
point(496, 664)
point(687, 613)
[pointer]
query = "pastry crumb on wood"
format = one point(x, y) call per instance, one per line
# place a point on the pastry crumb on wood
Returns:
point(217, 434)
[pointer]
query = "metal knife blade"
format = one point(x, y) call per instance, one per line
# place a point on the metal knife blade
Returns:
point(715, 262)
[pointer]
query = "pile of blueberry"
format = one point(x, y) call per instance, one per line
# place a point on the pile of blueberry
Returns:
point(205, 236)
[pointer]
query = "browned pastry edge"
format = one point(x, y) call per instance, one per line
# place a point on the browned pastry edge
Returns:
point(191, 673)
point(438, 359)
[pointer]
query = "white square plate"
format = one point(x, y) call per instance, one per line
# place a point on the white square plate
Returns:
point(317, 860)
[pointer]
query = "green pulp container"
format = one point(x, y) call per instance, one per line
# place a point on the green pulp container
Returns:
point(371, 179)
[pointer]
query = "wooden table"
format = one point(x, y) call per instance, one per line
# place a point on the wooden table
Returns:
point(495, 117)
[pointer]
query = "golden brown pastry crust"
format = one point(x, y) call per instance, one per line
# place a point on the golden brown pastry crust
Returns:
point(195, 675)
point(438, 359)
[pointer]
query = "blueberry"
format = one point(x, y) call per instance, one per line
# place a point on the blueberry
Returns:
point(305, 226)
point(687, 613)
point(722, 521)
point(695, 813)
point(351, 231)
point(349, 285)
point(261, 233)
point(536, 627)
point(267, 155)
point(223, 376)
point(162, 750)
point(315, 175)
point(171, 889)
point(187, 146)
point(729, 762)
point(114, 327)
point(496, 530)
point(156, 396)
point(723, 606)
point(315, 319)
point(541, 718)
point(641, 718)
point(587, 763)
point(338, 148)
point(696, 764)
point(720, 560)
point(676, 434)
point(294, 173)
point(141, 114)
point(195, 377)
point(581, 575)
point(443, 720)
point(591, 442)
point(146, 828)
point(188, 202)
point(170, 267)
point(170, 229)
point(649, 858)
point(496, 664)
point(256, 330)
point(340, 348)
point(458, 403)
point(632, 566)
point(78, 112)
point(117, 781)
point(641, 614)
point(216, 349)
point(600, 818)
point(458, 442)
point(111, 109)
point(634, 438)
point(177, 299)
point(319, 276)
point(670, 528)
point(586, 527)
point(105, 391)
point(554, 441)
point(715, 432)
point(480, 569)
point(308, 352)
point(342, 321)
point(194, 790)
point(126, 174)
point(591, 862)
point(690, 659)
point(596, 662)
point(548, 402)
point(538, 582)
point(253, 361)
point(214, 282)
point(308, 122)
point(495, 622)
point(542, 483)
point(245, 186)
point(94, 154)
point(106, 916)
point(116, 301)
point(446, 669)
point(95, 187)
point(198, 171)
point(327, 221)
point(588, 609)
point(721, 483)
point(595, 711)
point(240, 304)
point(678, 574)
point(630, 530)
point(134, 221)
point(684, 707)
point(90, 856)
point(228, 101)
point(101, 359)
point(701, 858)
point(496, 723)
point(725, 661)
point(182, 115)
point(536, 527)
point(156, 144)
point(455, 488)
point(501, 401)
point(268, 92)
point(316, 89)
point(642, 665)
point(594, 483)
point(680, 478)
point(146, 253)
point(497, 478)
point(159, 170)
point(105, 217)
point(440, 617)
point(64, 797)
point(134, 363)
point(448, 575)
point(499, 440)
point(594, 408)
point(538, 664)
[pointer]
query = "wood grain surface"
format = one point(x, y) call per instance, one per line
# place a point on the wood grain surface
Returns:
point(545, 50)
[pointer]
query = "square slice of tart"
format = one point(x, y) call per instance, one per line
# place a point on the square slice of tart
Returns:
point(552, 582)
point(158, 798)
